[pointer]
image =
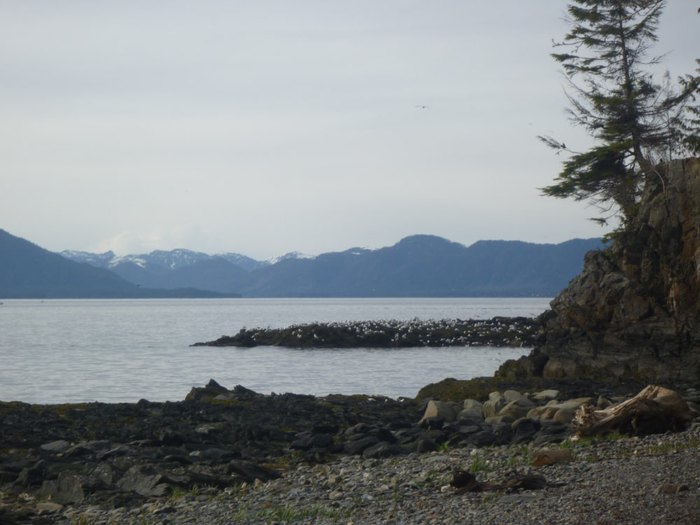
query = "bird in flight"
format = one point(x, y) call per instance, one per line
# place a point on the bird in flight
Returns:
point(421, 106)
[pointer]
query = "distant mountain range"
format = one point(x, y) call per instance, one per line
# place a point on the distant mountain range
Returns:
point(417, 266)
point(28, 271)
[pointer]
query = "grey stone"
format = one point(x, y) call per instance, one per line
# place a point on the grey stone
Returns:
point(440, 409)
point(512, 395)
point(143, 480)
point(546, 395)
point(494, 404)
point(517, 409)
point(56, 447)
point(68, 488)
point(359, 445)
point(383, 449)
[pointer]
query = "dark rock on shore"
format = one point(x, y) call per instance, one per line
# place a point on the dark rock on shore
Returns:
point(123, 455)
point(498, 331)
point(120, 454)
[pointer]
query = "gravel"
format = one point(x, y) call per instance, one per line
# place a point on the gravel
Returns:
point(609, 481)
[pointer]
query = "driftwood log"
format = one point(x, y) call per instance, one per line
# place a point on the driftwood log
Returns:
point(654, 410)
point(465, 481)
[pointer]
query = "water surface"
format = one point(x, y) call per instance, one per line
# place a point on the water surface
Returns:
point(59, 351)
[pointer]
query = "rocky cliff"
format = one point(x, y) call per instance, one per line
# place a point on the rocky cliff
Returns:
point(633, 314)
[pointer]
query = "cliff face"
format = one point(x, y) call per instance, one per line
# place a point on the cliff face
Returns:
point(634, 311)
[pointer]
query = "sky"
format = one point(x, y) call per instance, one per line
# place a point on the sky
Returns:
point(268, 126)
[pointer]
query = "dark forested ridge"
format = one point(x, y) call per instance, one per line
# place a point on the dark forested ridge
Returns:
point(417, 266)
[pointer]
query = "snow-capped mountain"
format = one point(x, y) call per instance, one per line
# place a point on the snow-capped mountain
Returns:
point(170, 259)
point(417, 266)
point(100, 260)
point(289, 256)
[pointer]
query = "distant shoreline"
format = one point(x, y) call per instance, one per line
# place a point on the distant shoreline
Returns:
point(496, 332)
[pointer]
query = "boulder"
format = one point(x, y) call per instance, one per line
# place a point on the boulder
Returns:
point(546, 457)
point(483, 438)
point(358, 446)
point(546, 395)
point(383, 449)
point(66, 489)
point(512, 395)
point(564, 415)
point(250, 471)
point(497, 420)
point(517, 409)
point(471, 408)
point(494, 404)
point(439, 409)
point(56, 447)
point(426, 444)
point(551, 432)
point(561, 412)
point(145, 481)
point(524, 430)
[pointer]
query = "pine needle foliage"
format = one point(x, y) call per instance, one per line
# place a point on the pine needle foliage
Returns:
point(633, 119)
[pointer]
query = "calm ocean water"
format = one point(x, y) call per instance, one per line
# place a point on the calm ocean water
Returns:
point(59, 351)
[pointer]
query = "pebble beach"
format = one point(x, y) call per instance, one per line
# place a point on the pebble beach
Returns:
point(615, 480)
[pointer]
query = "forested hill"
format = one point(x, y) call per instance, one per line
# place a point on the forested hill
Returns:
point(423, 265)
point(419, 266)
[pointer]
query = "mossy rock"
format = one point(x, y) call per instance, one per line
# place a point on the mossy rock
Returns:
point(458, 390)
point(479, 388)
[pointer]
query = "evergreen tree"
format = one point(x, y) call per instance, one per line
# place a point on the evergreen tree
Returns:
point(690, 125)
point(614, 96)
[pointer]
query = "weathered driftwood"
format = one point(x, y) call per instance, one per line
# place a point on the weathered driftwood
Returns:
point(653, 411)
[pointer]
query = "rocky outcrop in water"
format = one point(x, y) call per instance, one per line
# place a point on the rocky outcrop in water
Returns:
point(498, 331)
point(634, 311)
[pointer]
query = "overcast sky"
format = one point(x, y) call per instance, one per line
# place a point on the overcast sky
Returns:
point(262, 127)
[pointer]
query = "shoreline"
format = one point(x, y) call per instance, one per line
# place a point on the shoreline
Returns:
point(221, 448)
